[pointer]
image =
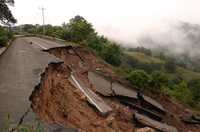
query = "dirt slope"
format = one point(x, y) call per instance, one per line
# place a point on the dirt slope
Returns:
point(56, 100)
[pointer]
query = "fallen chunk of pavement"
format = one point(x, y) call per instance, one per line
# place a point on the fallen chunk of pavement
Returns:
point(154, 124)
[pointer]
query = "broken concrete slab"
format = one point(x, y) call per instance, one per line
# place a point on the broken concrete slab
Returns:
point(190, 120)
point(145, 129)
point(196, 117)
point(154, 103)
point(92, 98)
point(109, 88)
point(154, 124)
point(102, 85)
point(143, 111)
point(123, 91)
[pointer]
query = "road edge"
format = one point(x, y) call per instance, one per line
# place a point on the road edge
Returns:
point(8, 45)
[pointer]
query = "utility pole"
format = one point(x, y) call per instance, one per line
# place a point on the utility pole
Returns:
point(42, 9)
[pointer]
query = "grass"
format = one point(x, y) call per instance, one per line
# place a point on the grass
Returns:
point(180, 92)
point(180, 71)
point(144, 58)
point(187, 74)
point(8, 126)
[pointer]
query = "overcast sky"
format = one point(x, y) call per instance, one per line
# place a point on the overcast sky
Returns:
point(119, 19)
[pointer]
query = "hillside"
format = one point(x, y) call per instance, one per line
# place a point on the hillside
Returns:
point(178, 82)
point(58, 97)
point(180, 71)
point(141, 57)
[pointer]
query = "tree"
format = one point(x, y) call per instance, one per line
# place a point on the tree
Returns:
point(6, 16)
point(77, 30)
point(28, 28)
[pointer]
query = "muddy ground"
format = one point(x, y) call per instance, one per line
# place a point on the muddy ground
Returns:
point(56, 100)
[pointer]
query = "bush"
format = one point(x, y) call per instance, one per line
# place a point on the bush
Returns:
point(194, 86)
point(182, 93)
point(139, 78)
point(96, 43)
point(111, 53)
point(5, 35)
point(108, 50)
point(158, 80)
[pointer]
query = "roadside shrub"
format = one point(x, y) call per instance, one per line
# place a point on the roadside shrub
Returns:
point(5, 35)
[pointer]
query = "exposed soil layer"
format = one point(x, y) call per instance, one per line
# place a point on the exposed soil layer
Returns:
point(56, 100)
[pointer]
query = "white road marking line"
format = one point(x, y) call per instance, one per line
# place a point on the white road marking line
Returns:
point(22, 51)
point(41, 46)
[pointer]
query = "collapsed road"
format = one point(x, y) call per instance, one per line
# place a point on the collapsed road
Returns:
point(20, 69)
point(62, 97)
point(72, 87)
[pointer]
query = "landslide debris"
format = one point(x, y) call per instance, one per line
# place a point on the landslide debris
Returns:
point(57, 100)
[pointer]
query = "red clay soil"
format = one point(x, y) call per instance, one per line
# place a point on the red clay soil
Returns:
point(56, 100)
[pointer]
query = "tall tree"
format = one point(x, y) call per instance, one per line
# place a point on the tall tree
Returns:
point(78, 29)
point(6, 16)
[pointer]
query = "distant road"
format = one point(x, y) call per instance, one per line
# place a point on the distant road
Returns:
point(20, 69)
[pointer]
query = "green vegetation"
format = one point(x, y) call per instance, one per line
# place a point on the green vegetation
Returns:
point(168, 79)
point(77, 30)
point(35, 126)
point(144, 58)
point(170, 65)
point(139, 78)
point(6, 16)
point(5, 36)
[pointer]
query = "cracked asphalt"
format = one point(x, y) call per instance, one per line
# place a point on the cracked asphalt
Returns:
point(20, 69)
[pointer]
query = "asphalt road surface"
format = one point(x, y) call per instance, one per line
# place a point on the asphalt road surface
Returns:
point(20, 69)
